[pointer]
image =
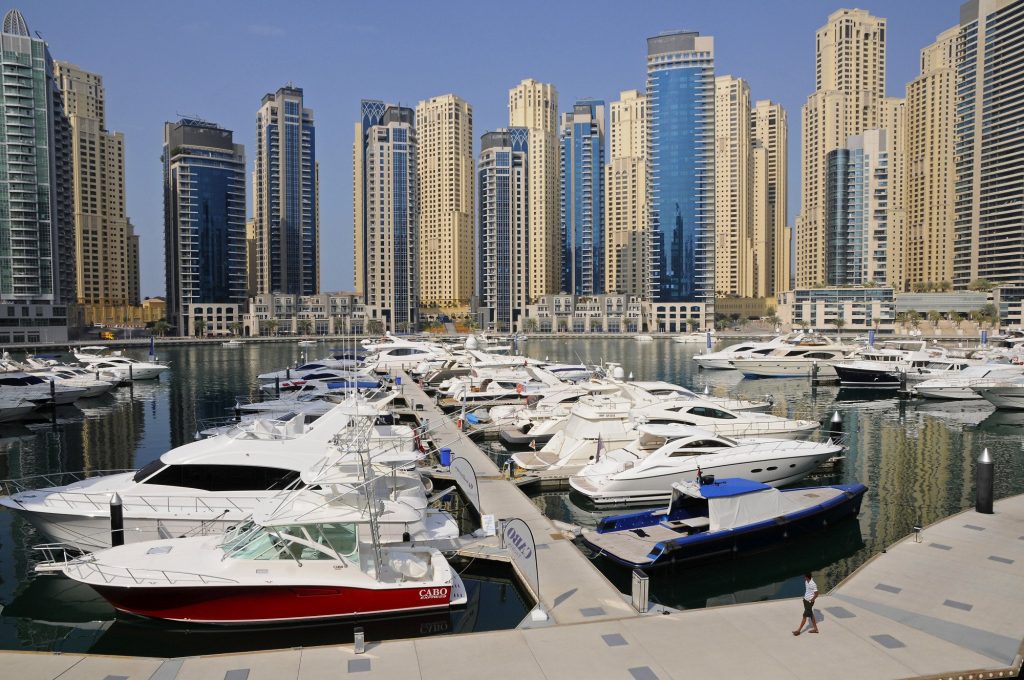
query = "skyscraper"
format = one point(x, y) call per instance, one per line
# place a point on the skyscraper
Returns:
point(857, 211)
point(504, 268)
point(681, 167)
point(534, 106)
point(772, 237)
point(930, 172)
point(581, 170)
point(286, 195)
point(204, 223)
point(37, 257)
point(627, 243)
point(444, 131)
point(849, 86)
point(989, 145)
point(105, 243)
point(733, 186)
point(387, 214)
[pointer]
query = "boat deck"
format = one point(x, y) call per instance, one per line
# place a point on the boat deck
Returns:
point(631, 545)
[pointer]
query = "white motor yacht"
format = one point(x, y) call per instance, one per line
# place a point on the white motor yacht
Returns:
point(18, 385)
point(69, 376)
point(210, 484)
point(722, 421)
point(643, 337)
point(327, 364)
point(722, 359)
point(961, 384)
point(635, 475)
point(793, 362)
point(696, 338)
point(15, 408)
point(124, 368)
point(1007, 396)
point(885, 366)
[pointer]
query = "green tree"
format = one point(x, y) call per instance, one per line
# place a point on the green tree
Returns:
point(980, 285)
point(235, 327)
point(304, 326)
point(160, 327)
point(774, 320)
point(375, 327)
point(954, 317)
point(530, 325)
point(693, 325)
point(563, 325)
point(945, 286)
point(934, 317)
point(200, 327)
point(271, 326)
point(839, 323)
point(902, 317)
point(915, 319)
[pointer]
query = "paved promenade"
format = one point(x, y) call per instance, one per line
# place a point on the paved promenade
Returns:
point(944, 605)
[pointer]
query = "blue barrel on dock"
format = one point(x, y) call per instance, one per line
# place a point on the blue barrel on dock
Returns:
point(446, 457)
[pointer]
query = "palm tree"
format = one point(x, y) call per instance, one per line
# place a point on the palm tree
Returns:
point(838, 323)
point(954, 317)
point(160, 327)
point(375, 327)
point(934, 317)
point(530, 325)
point(200, 327)
point(304, 326)
point(915, 319)
point(235, 327)
point(271, 326)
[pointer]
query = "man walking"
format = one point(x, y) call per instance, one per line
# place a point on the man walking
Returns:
point(810, 595)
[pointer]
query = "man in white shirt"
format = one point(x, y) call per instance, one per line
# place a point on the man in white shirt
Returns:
point(810, 595)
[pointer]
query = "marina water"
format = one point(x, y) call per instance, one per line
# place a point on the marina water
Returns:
point(917, 459)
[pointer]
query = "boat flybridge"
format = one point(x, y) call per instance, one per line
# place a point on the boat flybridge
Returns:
point(661, 455)
point(210, 484)
point(794, 362)
point(304, 556)
point(961, 384)
point(393, 352)
point(722, 359)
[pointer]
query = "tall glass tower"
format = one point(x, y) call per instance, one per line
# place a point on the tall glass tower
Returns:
point(581, 165)
point(681, 167)
point(37, 240)
point(286, 196)
point(204, 218)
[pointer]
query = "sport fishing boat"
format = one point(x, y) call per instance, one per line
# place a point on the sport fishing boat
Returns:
point(306, 557)
point(635, 474)
point(721, 518)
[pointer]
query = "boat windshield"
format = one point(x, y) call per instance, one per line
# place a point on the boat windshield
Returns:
point(292, 542)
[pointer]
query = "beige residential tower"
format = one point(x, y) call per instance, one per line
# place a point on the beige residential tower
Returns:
point(625, 196)
point(733, 177)
point(770, 251)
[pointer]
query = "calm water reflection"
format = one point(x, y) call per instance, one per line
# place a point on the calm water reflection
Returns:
point(127, 429)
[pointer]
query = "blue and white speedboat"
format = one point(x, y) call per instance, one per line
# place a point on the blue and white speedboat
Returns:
point(719, 519)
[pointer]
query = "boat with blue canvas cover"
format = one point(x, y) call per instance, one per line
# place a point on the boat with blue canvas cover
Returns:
point(722, 518)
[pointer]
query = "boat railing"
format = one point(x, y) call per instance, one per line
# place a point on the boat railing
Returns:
point(153, 503)
point(9, 487)
point(88, 565)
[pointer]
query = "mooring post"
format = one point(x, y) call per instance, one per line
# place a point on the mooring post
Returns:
point(277, 385)
point(984, 483)
point(835, 426)
point(116, 521)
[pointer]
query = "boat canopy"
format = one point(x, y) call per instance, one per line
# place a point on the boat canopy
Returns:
point(735, 502)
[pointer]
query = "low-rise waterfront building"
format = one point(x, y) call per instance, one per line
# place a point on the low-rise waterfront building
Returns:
point(321, 314)
point(584, 314)
point(854, 308)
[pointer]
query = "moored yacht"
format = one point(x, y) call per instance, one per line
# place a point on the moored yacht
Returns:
point(1003, 395)
point(961, 384)
point(124, 368)
point(306, 557)
point(722, 359)
point(634, 475)
point(793, 362)
point(886, 366)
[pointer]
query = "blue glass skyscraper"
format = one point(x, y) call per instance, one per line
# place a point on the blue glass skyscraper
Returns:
point(204, 218)
point(581, 166)
point(681, 167)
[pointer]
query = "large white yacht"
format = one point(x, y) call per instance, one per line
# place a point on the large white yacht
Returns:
point(961, 384)
point(793, 362)
point(210, 484)
point(17, 385)
point(124, 368)
point(636, 474)
point(1003, 395)
point(722, 359)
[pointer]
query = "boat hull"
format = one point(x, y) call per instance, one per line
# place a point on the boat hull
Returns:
point(860, 377)
point(755, 368)
point(235, 604)
point(1007, 398)
point(744, 540)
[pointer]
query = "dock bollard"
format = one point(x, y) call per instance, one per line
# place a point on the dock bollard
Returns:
point(641, 591)
point(53, 393)
point(277, 385)
point(358, 640)
point(131, 372)
point(116, 521)
point(835, 425)
point(984, 483)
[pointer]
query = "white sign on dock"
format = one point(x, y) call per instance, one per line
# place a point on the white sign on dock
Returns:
point(487, 524)
point(517, 538)
point(465, 477)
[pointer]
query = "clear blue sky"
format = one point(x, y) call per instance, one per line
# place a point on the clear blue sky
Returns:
point(217, 59)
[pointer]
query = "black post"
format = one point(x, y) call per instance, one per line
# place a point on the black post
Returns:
point(277, 385)
point(288, 373)
point(131, 372)
point(116, 521)
point(835, 426)
point(984, 483)
point(53, 393)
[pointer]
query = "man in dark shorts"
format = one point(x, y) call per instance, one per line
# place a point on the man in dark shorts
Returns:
point(810, 595)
